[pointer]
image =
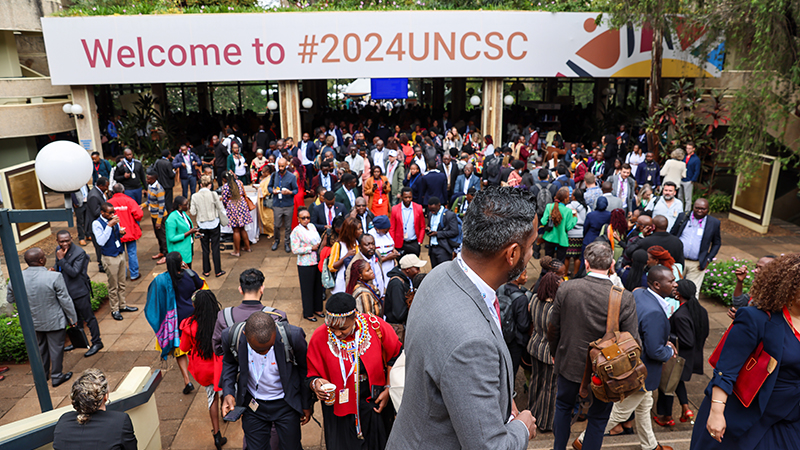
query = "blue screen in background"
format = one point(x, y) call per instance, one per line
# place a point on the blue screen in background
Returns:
point(389, 88)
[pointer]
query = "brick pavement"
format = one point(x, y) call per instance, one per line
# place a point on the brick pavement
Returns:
point(184, 418)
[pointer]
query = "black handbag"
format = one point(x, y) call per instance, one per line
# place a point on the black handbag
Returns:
point(77, 337)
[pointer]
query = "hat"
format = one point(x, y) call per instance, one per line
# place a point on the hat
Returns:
point(341, 304)
point(409, 261)
point(381, 223)
point(602, 204)
point(393, 153)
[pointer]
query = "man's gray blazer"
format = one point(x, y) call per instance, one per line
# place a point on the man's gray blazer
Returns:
point(458, 384)
point(48, 297)
point(613, 202)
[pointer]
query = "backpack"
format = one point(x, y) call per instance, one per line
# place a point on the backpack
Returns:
point(614, 367)
point(491, 167)
point(506, 315)
point(460, 238)
point(543, 198)
point(280, 321)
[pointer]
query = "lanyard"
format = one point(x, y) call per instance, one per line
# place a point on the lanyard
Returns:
point(411, 183)
point(129, 166)
point(789, 319)
point(253, 356)
point(353, 358)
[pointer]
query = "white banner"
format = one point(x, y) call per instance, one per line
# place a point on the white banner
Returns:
point(295, 46)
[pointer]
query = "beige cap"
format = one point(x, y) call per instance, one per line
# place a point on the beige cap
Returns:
point(409, 261)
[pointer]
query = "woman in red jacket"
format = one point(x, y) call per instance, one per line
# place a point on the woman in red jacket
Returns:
point(205, 366)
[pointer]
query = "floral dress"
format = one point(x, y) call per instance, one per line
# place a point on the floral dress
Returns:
point(238, 213)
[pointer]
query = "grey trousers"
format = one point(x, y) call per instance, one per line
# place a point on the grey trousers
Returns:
point(687, 189)
point(51, 347)
point(283, 218)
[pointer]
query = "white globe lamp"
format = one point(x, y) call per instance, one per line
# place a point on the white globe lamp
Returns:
point(508, 100)
point(474, 100)
point(307, 103)
point(77, 109)
point(272, 105)
point(263, 92)
point(67, 108)
point(63, 166)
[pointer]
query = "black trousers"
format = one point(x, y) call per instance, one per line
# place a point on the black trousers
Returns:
point(438, 255)
point(80, 220)
point(209, 243)
point(83, 306)
point(160, 236)
point(664, 402)
point(168, 199)
point(257, 425)
point(97, 250)
point(410, 247)
point(311, 289)
point(51, 347)
point(556, 251)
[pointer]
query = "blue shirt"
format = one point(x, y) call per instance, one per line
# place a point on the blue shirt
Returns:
point(435, 219)
point(692, 236)
point(408, 223)
point(591, 195)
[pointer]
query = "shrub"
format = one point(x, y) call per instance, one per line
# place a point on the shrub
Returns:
point(99, 294)
point(720, 279)
point(718, 201)
point(12, 343)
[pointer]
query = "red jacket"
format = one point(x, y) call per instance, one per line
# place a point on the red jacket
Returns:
point(130, 213)
point(396, 221)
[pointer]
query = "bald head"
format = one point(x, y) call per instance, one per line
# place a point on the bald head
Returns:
point(660, 223)
point(700, 209)
point(35, 257)
point(644, 224)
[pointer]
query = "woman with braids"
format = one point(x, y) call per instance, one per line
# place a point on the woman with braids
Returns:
point(550, 264)
point(368, 299)
point(205, 366)
point(90, 426)
point(616, 231)
point(346, 246)
point(635, 276)
point(542, 393)
point(657, 255)
point(690, 325)
point(562, 219)
point(355, 352)
point(772, 421)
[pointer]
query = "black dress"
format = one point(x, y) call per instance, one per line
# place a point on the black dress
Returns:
point(105, 430)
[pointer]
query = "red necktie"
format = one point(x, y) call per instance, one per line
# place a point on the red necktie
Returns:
point(497, 308)
point(330, 216)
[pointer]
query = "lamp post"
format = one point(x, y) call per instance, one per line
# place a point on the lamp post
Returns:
point(62, 166)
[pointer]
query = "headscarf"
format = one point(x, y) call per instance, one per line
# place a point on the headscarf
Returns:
point(601, 204)
point(688, 291)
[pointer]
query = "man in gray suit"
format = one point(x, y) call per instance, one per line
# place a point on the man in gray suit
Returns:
point(623, 187)
point(52, 310)
point(613, 202)
point(579, 315)
point(459, 379)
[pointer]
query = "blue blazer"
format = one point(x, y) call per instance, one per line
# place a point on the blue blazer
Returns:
point(654, 332)
point(190, 159)
point(434, 184)
point(458, 189)
point(709, 244)
point(692, 168)
point(750, 327)
point(593, 224)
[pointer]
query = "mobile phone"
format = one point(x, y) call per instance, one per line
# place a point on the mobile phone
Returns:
point(234, 415)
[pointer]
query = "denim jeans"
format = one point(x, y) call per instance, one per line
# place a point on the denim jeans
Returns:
point(133, 261)
point(189, 185)
point(597, 417)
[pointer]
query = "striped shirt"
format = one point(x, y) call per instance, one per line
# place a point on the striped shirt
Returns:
point(155, 201)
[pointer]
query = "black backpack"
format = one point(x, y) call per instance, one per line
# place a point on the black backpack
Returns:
point(543, 198)
point(280, 321)
point(506, 315)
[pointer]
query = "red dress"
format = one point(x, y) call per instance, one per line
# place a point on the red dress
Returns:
point(299, 198)
point(206, 371)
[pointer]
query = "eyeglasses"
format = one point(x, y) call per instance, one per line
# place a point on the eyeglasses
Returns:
point(305, 217)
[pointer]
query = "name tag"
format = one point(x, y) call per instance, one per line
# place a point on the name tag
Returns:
point(344, 395)
point(253, 404)
point(118, 245)
point(280, 196)
point(700, 232)
point(133, 175)
point(380, 201)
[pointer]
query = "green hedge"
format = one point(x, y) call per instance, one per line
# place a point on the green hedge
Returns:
point(720, 279)
point(12, 342)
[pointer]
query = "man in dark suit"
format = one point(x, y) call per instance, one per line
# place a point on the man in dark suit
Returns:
point(434, 184)
point(220, 157)
point(94, 202)
point(656, 349)
point(324, 178)
point(442, 229)
point(72, 262)
point(166, 177)
point(189, 167)
point(51, 309)
point(450, 170)
point(130, 173)
point(347, 194)
point(662, 238)
point(307, 152)
point(322, 216)
point(274, 392)
point(579, 315)
point(363, 215)
point(701, 238)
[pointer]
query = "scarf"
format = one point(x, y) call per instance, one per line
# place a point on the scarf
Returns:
point(161, 312)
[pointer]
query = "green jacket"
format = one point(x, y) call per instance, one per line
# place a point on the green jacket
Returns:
point(174, 229)
point(558, 235)
point(397, 183)
point(341, 197)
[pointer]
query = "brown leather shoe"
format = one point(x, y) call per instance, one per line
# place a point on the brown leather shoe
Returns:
point(158, 256)
point(162, 260)
point(662, 447)
point(578, 445)
point(82, 242)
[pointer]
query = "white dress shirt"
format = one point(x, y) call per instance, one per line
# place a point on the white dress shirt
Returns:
point(264, 382)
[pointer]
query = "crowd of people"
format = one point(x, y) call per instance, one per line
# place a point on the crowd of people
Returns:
point(357, 205)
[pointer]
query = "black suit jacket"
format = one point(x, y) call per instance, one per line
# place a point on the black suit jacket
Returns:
point(669, 242)
point(454, 173)
point(447, 230)
point(105, 430)
point(434, 184)
point(165, 173)
point(236, 373)
point(73, 268)
point(131, 183)
point(95, 201)
point(709, 244)
point(318, 215)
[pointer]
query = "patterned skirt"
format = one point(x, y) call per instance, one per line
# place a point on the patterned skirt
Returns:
point(575, 246)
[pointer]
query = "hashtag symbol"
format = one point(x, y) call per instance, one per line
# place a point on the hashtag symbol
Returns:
point(307, 48)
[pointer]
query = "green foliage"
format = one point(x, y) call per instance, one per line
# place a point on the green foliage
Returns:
point(720, 279)
point(677, 117)
point(99, 294)
point(12, 343)
point(718, 201)
point(147, 115)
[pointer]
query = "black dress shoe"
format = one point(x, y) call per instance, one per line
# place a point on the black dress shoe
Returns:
point(69, 348)
point(60, 381)
point(311, 319)
point(188, 388)
point(321, 316)
point(116, 315)
point(93, 349)
point(128, 309)
point(287, 247)
point(275, 245)
point(100, 268)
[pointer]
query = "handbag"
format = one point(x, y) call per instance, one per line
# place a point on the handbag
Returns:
point(671, 373)
point(754, 372)
point(550, 225)
point(328, 281)
point(250, 205)
point(77, 337)
point(266, 202)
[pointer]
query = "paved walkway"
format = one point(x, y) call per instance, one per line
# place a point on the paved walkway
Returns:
point(184, 418)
